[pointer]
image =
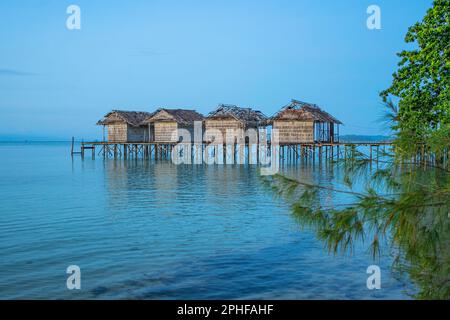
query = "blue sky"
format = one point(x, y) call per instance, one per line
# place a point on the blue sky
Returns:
point(140, 55)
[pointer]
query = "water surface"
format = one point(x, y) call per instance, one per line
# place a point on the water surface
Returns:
point(145, 230)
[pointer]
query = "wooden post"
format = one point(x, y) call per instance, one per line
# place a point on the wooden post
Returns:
point(201, 153)
point(280, 153)
point(206, 156)
point(248, 152)
point(288, 149)
point(215, 153)
point(320, 154)
point(313, 154)
point(293, 153)
point(224, 153)
point(257, 153)
point(306, 154)
point(242, 153)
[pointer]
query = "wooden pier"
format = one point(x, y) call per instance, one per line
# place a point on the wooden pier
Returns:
point(229, 134)
point(227, 154)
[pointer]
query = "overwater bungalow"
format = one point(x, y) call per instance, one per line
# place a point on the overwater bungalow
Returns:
point(301, 122)
point(232, 117)
point(163, 124)
point(302, 129)
point(125, 126)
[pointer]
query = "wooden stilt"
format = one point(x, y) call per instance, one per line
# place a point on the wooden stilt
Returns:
point(224, 153)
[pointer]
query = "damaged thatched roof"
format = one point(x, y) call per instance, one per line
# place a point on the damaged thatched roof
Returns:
point(181, 116)
point(133, 118)
point(238, 113)
point(303, 111)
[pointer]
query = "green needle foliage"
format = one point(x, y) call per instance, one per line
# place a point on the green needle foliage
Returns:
point(404, 203)
point(423, 78)
point(410, 215)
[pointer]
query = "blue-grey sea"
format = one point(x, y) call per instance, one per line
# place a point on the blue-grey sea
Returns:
point(141, 229)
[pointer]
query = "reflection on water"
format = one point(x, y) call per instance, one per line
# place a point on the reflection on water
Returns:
point(147, 230)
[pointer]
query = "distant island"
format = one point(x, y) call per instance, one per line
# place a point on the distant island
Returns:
point(363, 138)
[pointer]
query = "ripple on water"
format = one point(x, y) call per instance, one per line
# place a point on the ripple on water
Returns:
point(155, 230)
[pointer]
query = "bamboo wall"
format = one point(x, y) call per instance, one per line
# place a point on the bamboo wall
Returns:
point(117, 132)
point(164, 130)
point(122, 132)
point(295, 131)
point(225, 124)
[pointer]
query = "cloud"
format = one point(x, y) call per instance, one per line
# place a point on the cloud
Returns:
point(13, 72)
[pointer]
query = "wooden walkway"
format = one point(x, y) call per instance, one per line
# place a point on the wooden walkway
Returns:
point(237, 153)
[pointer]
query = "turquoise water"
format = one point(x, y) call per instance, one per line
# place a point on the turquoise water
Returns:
point(145, 230)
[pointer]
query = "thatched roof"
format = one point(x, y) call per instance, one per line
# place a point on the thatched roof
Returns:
point(303, 111)
point(180, 116)
point(238, 113)
point(133, 118)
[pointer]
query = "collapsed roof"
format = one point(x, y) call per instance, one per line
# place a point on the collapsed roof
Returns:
point(238, 113)
point(303, 111)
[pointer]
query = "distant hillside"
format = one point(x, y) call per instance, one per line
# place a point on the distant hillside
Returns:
point(362, 138)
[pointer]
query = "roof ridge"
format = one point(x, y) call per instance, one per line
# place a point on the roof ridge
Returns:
point(300, 107)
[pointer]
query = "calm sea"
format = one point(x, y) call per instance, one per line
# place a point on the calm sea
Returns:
point(144, 230)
